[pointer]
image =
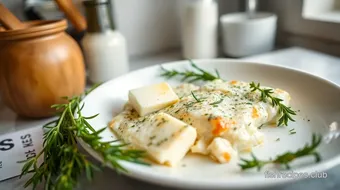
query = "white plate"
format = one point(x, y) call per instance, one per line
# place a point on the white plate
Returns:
point(317, 99)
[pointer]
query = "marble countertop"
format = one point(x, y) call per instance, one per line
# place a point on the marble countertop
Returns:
point(313, 62)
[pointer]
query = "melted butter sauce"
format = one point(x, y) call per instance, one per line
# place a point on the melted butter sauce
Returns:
point(217, 109)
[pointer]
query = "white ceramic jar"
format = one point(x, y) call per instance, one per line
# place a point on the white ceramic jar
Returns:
point(104, 47)
point(244, 36)
point(199, 28)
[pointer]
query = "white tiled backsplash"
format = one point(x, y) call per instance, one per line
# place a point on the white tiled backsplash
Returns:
point(150, 26)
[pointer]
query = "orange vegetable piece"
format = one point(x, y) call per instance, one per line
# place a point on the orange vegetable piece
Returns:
point(233, 82)
point(220, 125)
point(227, 156)
point(255, 113)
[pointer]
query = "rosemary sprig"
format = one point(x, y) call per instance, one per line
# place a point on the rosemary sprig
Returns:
point(286, 158)
point(192, 76)
point(285, 112)
point(217, 102)
point(63, 163)
point(197, 99)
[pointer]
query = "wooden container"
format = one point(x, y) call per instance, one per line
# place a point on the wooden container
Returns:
point(38, 65)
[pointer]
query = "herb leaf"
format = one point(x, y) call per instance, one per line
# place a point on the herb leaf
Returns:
point(63, 163)
point(286, 158)
point(191, 76)
point(217, 102)
point(197, 100)
point(285, 112)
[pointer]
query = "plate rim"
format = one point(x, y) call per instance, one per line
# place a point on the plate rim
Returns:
point(187, 184)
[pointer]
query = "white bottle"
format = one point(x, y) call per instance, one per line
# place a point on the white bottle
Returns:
point(104, 47)
point(199, 28)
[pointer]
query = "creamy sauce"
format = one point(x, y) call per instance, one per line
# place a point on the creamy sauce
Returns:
point(229, 110)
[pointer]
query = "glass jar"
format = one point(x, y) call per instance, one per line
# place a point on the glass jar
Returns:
point(104, 46)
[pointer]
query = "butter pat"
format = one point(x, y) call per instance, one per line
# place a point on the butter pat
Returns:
point(165, 138)
point(152, 98)
point(170, 139)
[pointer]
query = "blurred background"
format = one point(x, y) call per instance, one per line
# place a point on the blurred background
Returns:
point(152, 26)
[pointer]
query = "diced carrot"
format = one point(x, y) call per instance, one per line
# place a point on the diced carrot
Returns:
point(255, 113)
point(220, 125)
point(233, 82)
point(226, 156)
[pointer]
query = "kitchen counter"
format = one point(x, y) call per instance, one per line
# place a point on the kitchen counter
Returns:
point(313, 62)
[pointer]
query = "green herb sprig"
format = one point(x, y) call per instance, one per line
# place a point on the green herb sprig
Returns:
point(191, 76)
point(217, 102)
point(63, 163)
point(197, 99)
point(286, 158)
point(285, 112)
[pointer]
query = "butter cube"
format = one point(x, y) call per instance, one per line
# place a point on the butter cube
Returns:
point(170, 139)
point(152, 98)
point(165, 138)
